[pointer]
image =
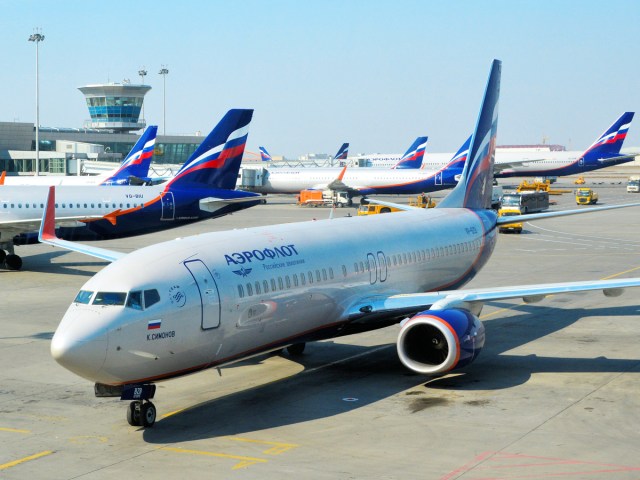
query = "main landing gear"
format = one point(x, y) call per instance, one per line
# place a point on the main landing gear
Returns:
point(140, 412)
point(10, 260)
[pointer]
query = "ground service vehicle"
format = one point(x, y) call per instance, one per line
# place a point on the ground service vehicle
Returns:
point(586, 196)
point(510, 227)
point(526, 202)
point(633, 185)
point(323, 198)
point(371, 209)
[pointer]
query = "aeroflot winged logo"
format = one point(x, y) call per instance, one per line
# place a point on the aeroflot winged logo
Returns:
point(243, 272)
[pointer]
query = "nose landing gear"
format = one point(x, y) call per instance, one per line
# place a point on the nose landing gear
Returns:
point(140, 412)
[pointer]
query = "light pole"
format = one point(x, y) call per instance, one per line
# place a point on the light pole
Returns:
point(143, 73)
point(37, 37)
point(164, 71)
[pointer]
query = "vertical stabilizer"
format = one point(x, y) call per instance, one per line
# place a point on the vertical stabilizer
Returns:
point(216, 162)
point(476, 182)
point(264, 155)
point(137, 162)
point(610, 142)
point(343, 152)
point(414, 155)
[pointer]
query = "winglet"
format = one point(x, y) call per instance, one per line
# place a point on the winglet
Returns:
point(2, 177)
point(344, 170)
point(48, 225)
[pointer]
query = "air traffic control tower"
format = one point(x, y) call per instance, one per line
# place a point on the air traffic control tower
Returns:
point(115, 106)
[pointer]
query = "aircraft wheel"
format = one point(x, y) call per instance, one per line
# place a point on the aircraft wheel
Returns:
point(148, 414)
point(3, 255)
point(13, 262)
point(296, 349)
point(133, 414)
point(385, 210)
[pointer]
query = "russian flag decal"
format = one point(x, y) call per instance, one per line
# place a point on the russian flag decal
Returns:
point(154, 324)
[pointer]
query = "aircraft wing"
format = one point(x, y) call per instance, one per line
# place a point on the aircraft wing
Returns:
point(474, 299)
point(537, 216)
point(47, 234)
point(10, 228)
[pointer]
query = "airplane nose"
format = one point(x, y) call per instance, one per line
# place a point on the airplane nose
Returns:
point(83, 356)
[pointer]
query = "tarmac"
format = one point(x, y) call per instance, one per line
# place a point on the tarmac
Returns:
point(555, 393)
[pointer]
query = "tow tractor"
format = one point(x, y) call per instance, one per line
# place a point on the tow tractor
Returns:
point(586, 196)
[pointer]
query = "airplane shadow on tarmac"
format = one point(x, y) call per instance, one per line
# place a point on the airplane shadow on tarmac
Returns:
point(42, 262)
point(339, 386)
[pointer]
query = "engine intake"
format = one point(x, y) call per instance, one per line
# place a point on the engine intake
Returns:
point(436, 341)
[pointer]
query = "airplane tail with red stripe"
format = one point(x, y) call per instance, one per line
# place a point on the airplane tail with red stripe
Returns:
point(216, 162)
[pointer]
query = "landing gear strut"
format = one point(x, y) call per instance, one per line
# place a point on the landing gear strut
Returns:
point(140, 412)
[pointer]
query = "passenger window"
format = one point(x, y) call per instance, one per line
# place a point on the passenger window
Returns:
point(135, 300)
point(324, 274)
point(258, 288)
point(265, 286)
point(310, 278)
point(288, 281)
point(240, 291)
point(249, 289)
point(344, 271)
point(303, 279)
point(110, 298)
point(295, 279)
point(273, 285)
point(280, 284)
point(355, 267)
point(84, 296)
point(317, 275)
point(151, 297)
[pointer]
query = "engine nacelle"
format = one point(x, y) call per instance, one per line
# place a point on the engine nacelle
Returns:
point(436, 341)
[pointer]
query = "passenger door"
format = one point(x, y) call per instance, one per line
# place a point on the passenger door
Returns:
point(168, 206)
point(209, 295)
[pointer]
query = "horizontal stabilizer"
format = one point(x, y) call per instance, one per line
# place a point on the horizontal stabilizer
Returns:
point(563, 213)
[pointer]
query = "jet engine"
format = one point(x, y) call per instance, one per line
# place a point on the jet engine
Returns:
point(437, 341)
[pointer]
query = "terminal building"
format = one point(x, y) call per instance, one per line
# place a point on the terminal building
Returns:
point(115, 124)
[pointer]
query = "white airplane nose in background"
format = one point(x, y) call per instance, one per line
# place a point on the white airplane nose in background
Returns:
point(82, 357)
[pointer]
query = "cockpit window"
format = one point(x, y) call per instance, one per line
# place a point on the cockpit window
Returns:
point(109, 298)
point(134, 300)
point(84, 296)
point(151, 297)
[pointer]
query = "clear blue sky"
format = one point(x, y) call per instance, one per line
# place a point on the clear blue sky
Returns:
point(373, 73)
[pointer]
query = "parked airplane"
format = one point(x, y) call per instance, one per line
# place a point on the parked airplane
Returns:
point(209, 300)
point(604, 152)
point(203, 188)
point(133, 170)
point(366, 181)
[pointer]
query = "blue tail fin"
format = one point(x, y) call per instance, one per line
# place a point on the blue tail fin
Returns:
point(136, 163)
point(414, 156)
point(343, 152)
point(476, 183)
point(460, 157)
point(264, 155)
point(610, 142)
point(216, 162)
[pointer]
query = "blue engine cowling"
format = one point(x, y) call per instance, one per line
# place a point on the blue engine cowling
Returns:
point(436, 341)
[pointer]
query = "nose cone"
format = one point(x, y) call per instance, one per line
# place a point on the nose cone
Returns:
point(79, 348)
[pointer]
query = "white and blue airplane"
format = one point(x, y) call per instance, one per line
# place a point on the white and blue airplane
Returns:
point(203, 188)
point(213, 299)
point(134, 169)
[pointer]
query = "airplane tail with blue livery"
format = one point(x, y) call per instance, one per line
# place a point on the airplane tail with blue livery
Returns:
point(343, 152)
point(414, 155)
point(607, 147)
point(134, 169)
point(216, 162)
point(264, 155)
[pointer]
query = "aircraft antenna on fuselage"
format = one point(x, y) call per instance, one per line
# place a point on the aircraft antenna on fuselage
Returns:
point(476, 182)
